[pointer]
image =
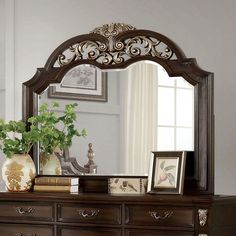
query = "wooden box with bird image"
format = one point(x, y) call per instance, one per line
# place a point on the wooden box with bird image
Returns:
point(127, 185)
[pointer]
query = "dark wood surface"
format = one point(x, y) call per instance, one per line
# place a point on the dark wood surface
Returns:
point(25, 230)
point(59, 214)
point(135, 232)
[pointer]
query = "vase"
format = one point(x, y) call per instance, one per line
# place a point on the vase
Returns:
point(18, 173)
point(50, 165)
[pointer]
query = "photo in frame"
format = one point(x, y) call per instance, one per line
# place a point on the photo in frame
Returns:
point(167, 172)
point(82, 82)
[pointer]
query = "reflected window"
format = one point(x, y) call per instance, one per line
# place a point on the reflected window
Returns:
point(175, 113)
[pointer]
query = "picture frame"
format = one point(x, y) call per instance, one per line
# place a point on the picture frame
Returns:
point(83, 82)
point(167, 172)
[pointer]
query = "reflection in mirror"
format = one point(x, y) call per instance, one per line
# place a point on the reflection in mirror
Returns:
point(145, 110)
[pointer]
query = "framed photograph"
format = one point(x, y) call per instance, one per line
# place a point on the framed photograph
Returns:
point(166, 173)
point(82, 82)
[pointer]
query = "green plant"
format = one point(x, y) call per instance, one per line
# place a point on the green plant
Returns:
point(55, 131)
point(15, 139)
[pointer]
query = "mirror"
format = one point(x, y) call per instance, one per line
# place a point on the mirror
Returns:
point(118, 46)
point(144, 108)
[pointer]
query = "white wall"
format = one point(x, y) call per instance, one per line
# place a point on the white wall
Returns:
point(2, 59)
point(204, 29)
point(2, 70)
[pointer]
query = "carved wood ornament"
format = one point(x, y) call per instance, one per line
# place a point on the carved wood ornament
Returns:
point(115, 51)
point(202, 216)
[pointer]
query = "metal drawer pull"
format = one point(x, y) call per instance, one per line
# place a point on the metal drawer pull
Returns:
point(27, 234)
point(23, 211)
point(163, 216)
point(88, 213)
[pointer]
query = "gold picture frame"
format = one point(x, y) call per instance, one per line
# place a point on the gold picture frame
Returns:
point(167, 172)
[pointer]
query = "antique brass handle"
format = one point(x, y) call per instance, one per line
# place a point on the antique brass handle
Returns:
point(27, 234)
point(88, 213)
point(161, 216)
point(23, 211)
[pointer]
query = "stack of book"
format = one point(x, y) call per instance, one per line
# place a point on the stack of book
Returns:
point(56, 184)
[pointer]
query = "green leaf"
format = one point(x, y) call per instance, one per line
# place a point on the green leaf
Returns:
point(55, 104)
point(162, 164)
point(169, 168)
point(171, 178)
point(48, 127)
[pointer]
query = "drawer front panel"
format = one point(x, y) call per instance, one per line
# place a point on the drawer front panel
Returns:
point(88, 232)
point(25, 230)
point(159, 216)
point(136, 232)
point(107, 214)
point(27, 211)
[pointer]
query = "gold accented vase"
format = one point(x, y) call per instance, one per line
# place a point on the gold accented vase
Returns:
point(18, 173)
point(50, 165)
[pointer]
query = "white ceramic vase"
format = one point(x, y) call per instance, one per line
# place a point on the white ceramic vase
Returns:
point(50, 165)
point(18, 172)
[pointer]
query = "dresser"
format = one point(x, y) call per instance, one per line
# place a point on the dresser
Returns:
point(62, 214)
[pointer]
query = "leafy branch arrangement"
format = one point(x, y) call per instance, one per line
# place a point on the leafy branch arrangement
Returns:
point(55, 131)
point(165, 175)
point(15, 139)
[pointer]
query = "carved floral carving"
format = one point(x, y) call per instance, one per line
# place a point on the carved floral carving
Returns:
point(202, 215)
point(112, 51)
point(113, 29)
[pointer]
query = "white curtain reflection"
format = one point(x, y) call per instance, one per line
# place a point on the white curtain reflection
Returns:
point(138, 117)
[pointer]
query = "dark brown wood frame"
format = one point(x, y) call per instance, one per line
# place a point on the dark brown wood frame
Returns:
point(171, 58)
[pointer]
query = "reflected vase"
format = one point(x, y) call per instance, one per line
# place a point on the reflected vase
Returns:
point(18, 173)
point(50, 164)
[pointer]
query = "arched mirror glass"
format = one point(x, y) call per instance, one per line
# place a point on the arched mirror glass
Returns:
point(127, 114)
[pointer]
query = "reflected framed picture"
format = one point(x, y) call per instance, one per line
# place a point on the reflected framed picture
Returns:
point(82, 82)
point(166, 172)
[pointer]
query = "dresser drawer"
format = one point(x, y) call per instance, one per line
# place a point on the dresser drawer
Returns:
point(25, 211)
point(91, 213)
point(159, 216)
point(25, 230)
point(90, 231)
point(140, 232)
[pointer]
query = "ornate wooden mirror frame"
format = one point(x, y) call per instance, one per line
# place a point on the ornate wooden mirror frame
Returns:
point(114, 46)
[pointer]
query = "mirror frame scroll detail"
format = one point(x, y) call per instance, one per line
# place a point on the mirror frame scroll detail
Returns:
point(115, 46)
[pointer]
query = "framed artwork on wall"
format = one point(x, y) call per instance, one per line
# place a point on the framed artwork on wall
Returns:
point(82, 82)
point(166, 173)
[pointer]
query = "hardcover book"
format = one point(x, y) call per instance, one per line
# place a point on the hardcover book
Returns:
point(56, 188)
point(56, 181)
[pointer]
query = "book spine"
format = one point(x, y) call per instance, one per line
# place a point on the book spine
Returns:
point(48, 188)
point(53, 181)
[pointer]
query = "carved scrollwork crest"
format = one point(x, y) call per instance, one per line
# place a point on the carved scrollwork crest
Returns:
point(113, 51)
point(113, 29)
